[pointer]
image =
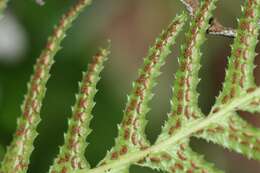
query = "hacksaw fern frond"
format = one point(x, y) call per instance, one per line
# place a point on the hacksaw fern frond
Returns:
point(71, 156)
point(131, 131)
point(171, 152)
point(233, 132)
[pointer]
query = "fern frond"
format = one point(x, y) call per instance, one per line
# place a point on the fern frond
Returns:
point(71, 156)
point(231, 132)
point(131, 131)
point(137, 104)
point(239, 74)
point(187, 130)
point(18, 153)
point(234, 134)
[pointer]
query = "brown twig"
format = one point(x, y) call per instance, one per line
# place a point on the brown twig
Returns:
point(216, 28)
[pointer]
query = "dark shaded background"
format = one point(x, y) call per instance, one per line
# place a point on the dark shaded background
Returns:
point(132, 25)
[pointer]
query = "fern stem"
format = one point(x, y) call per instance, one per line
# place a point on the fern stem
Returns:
point(184, 109)
point(235, 134)
point(185, 99)
point(187, 130)
point(71, 156)
point(137, 105)
point(18, 153)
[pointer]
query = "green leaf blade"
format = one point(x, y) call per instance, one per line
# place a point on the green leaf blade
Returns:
point(184, 104)
point(18, 153)
point(71, 156)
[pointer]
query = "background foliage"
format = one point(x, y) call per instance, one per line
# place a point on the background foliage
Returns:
point(132, 27)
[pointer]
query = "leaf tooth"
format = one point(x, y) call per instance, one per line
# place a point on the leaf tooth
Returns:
point(134, 121)
point(253, 106)
point(142, 88)
point(75, 138)
point(234, 134)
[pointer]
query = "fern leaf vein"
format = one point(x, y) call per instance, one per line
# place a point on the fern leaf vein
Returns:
point(239, 74)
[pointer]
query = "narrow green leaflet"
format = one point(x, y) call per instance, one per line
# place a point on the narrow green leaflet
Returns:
point(187, 130)
point(239, 74)
point(179, 157)
point(234, 134)
point(184, 104)
point(71, 156)
point(131, 131)
point(18, 153)
point(171, 152)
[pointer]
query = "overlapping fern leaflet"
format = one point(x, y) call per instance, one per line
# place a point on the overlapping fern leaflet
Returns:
point(16, 159)
point(233, 132)
point(131, 131)
point(179, 157)
point(183, 133)
point(171, 152)
point(71, 156)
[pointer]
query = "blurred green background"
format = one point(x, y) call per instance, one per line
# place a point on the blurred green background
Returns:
point(132, 25)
